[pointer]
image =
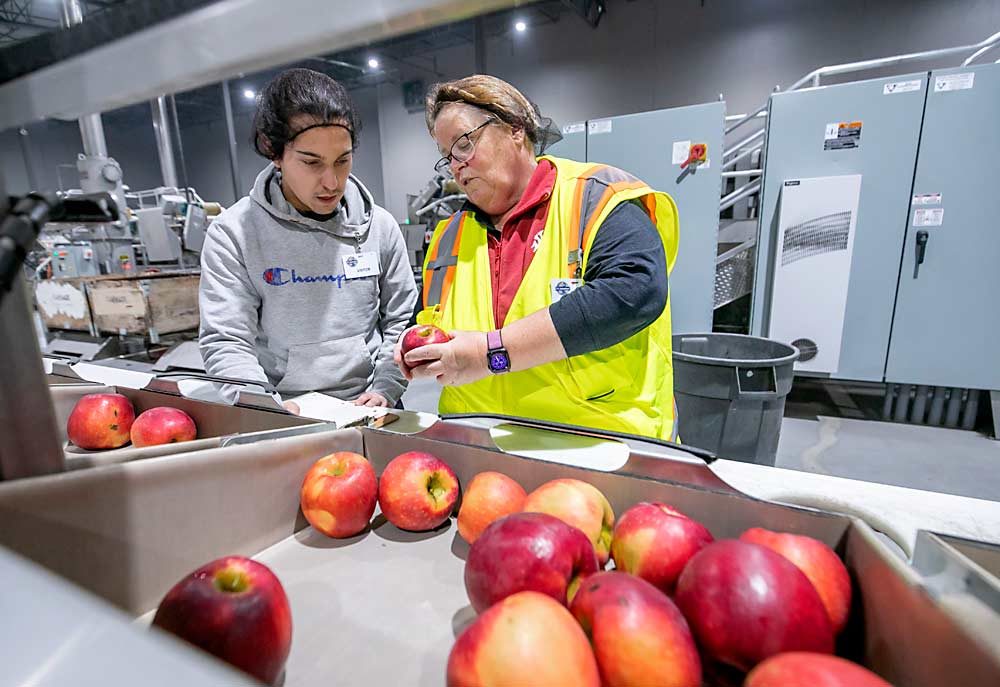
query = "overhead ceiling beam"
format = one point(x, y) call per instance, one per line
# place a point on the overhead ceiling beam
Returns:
point(180, 54)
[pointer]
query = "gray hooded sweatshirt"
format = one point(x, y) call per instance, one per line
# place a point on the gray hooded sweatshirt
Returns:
point(277, 306)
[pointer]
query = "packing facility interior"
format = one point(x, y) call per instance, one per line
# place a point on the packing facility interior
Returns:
point(834, 167)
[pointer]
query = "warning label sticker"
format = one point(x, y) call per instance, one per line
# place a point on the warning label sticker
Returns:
point(932, 217)
point(954, 82)
point(842, 136)
point(927, 199)
point(901, 87)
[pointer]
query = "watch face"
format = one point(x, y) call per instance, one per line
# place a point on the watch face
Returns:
point(499, 362)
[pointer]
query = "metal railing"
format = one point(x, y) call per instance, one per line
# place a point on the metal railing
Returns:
point(733, 154)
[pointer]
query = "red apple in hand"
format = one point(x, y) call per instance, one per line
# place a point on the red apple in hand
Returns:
point(819, 563)
point(100, 421)
point(578, 504)
point(811, 670)
point(639, 636)
point(339, 493)
point(655, 542)
point(417, 491)
point(489, 497)
point(746, 603)
point(421, 335)
point(527, 639)
point(235, 609)
point(162, 426)
point(527, 552)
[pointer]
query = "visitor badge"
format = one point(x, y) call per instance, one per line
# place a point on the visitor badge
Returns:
point(562, 287)
point(357, 265)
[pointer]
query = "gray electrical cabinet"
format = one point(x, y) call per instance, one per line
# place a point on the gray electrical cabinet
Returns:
point(884, 117)
point(946, 330)
point(573, 145)
point(647, 145)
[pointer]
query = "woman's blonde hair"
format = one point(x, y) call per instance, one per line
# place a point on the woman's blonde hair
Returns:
point(489, 94)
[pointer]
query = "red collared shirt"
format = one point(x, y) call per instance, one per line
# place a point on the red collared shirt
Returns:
point(513, 245)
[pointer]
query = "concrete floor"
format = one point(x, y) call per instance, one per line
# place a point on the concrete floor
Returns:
point(814, 438)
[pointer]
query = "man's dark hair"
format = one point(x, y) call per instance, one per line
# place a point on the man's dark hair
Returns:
point(300, 92)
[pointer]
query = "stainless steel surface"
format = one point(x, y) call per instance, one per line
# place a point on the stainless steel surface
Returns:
point(164, 146)
point(92, 135)
point(29, 443)
point(160, 241)
point(234, 165)
point(734, 273)
point(742, 156)
point(215, 42)
point(742, 173)
point(746, 141)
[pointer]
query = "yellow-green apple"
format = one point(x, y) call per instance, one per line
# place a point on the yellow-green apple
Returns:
point(811, 670)
point(100, 421)
point(819, 563)
point(162, 425)
point(655, 541)
point(578, 504)
point(746, 603)
point(526, 639)
point(235, 609)
point(527, 552)
point(417, 491)
point(487, 498)
point(421, 335)
point(639, 636)
point(339, 493)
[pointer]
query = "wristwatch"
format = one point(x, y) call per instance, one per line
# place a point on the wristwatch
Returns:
point(497, 358)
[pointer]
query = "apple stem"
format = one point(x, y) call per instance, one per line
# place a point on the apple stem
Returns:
point(231, 581)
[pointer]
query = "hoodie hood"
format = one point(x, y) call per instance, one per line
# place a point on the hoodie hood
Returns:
point(352, 219)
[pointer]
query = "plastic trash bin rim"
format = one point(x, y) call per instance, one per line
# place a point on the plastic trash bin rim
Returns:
point(735, 362)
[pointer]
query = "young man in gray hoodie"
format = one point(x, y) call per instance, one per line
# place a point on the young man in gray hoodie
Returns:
point(306, 283)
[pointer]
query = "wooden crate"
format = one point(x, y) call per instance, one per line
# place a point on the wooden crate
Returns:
point(148, 304)
point(63, 304)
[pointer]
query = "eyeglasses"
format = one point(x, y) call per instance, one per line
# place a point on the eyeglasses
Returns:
point(462, 149)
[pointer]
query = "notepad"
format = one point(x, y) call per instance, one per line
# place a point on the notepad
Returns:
point(331, 409)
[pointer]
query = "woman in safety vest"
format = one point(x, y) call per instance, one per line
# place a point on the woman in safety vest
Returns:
point(552, 279)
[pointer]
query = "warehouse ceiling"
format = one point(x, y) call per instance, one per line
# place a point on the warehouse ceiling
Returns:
point(31, 38)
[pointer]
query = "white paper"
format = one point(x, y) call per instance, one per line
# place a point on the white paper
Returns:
point(575, 128)
point(815, 245)
point(927, 199)
point(954, 82)
point(331, 409)
point(928, 217)
point(902, 87)
point(680, 152)
point(599, 126)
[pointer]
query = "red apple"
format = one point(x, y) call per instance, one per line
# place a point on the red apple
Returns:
point(812, 670)
point(100, 421)
point(819, 563)
point(162, 426)
point(339, 493)
point(421, 335)
point(578, 504)
point(639, 636)
point(489, 497)
point(746, 603)
point(526, 639)
point(527, 552)
point(417, 491)
point(655, 542)
point(235, 609)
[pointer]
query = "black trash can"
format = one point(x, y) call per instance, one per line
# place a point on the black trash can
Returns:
point(730, 391)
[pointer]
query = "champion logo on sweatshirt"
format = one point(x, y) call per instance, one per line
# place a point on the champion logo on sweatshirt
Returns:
point(279, 276)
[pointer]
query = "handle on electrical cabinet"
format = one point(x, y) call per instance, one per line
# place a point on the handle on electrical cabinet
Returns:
point(918, 256)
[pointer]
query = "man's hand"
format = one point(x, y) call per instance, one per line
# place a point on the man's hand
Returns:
point(372, 400)
point(292, 407)
point(397, 356)
point(459, 361)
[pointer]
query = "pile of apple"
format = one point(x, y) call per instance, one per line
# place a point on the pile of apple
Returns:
point(768, 604)
point(105, 421)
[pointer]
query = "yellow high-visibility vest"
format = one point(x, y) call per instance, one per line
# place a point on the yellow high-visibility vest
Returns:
point(627, 387)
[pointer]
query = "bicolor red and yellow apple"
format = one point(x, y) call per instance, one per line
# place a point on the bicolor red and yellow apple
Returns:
point(100, 421)
point(638, 635)
point(526, 639)
point(655, 541)
point(417, 491)
point(812, 670)
point(162, 425)
point(339, 493)
point(527, 552)
point(578, 504)
point(487, 498)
